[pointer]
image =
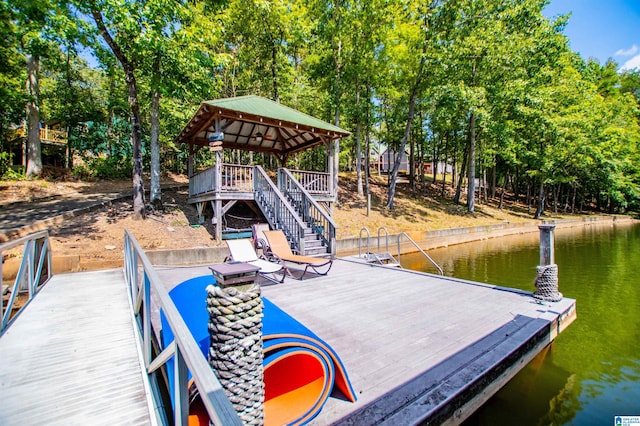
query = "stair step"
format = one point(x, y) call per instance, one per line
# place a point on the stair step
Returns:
point(313, 244)
point(316, 251)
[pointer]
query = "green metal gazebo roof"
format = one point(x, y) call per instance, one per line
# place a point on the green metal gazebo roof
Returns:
point(257, 124)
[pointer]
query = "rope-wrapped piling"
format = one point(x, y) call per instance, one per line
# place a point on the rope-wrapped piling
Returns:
point(235, 351)
point(546, 283)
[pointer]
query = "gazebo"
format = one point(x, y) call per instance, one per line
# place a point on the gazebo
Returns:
point(299, 202)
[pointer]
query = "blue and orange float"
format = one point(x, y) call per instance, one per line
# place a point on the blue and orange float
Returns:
point(301, 371)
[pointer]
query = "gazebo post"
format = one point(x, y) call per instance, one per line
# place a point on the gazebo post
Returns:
point(190, 162)
point(330, 165)
point(218, 187)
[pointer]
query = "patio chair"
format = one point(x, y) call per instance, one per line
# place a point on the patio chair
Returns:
point(279, 247)
point(259, 240)
point(242, 251)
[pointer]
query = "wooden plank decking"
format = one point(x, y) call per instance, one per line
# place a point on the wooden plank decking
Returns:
point(71, 358)
point(417, 347)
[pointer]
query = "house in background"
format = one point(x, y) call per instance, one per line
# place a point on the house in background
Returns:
point(385, 161)
point(53, 140)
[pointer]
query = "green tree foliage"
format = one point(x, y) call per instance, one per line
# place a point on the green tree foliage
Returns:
point(487, 91)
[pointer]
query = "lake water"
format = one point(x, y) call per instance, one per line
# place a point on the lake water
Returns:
point(591, 372)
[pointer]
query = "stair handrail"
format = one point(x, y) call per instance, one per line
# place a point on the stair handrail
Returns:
point(310, 211)
point(433, 262)
point(284, 216)
point(34, 272)
point(364, 228)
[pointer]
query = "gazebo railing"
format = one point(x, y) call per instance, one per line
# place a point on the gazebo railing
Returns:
point(233, 178)
point(316, 183)
point(143, 282)
point(33, 273)
point(237, 178)
point(202, 182)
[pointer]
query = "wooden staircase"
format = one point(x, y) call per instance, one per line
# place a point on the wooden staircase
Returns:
point(289, 207)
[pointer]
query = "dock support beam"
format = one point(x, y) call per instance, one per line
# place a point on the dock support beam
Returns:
point(546, 281)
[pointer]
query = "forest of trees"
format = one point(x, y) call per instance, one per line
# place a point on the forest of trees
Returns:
point(489, 87)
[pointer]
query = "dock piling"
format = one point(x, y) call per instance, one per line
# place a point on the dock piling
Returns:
point(235, 351)
point(546, 281)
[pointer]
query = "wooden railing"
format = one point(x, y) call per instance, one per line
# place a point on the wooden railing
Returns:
point(233, 178)
point(277, 209)
point(308, 209)
point(144, 284)
point(34, 271)
point(202, 182)
point(237, 178)
point(316, 183)
point(46, 134)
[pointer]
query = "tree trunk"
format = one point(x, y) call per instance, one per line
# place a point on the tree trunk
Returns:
point(136, 131)
point(407, 130)
point(472, 164)
point(156, 194)
point(274, 71)
point(494, 178)
point(435, 162)
point(444, 159)
point(541, 199)
point(403, 144)
point(504, 186)
point(358, 144)
point(463, 164)
point(412, 174)
point(34, 151)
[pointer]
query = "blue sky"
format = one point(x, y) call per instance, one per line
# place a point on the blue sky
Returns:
point(602, 29)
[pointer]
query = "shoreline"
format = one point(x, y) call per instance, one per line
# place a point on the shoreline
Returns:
point(427, 240)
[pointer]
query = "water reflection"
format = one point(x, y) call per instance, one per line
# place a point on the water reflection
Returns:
point(592, 371)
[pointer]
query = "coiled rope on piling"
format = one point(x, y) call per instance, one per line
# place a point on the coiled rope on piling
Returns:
point(546, 283)
point(235, 351)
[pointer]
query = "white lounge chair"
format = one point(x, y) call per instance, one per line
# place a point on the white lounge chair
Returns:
point(242, 251)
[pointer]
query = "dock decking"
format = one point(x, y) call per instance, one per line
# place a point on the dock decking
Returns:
point(72, 358)
point(417, 347)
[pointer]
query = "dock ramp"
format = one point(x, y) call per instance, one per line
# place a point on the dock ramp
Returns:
point(71, 357)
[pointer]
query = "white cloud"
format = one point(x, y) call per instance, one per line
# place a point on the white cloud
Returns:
point(629, 52)
point(631, 64)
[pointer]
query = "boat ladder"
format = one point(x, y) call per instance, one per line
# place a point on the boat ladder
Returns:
point(386, 258)
point(380, 258)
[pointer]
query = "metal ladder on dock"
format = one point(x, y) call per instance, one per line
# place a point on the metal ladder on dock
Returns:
point(387, 258)
point(380, 258)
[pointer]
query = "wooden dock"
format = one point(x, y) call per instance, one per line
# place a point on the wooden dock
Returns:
point(71, 357)
point(417, 347)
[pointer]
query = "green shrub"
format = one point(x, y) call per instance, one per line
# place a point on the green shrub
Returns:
point(5, 163)
point(107, 168)
point(7, 171)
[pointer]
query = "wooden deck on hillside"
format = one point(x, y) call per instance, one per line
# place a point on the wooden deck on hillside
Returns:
point(71, 357)
point(416, 346)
